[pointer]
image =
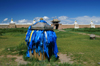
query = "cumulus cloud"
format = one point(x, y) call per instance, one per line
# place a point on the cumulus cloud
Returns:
point(65, 20)
point(87, 19)
point(24, 21)
point(45, 18)
point(5, 19)
point(80, 20)
point(62, 18)
point(37, 18)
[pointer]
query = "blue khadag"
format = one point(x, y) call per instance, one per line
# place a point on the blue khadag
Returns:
point(41, 40)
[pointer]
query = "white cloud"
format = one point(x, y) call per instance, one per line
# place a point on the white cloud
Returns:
point(80, 20)
point(5, 19)
point(45, 18)
point(87, 19)
point(63, 18)
point(66, 20)
point(22, 21)
point(37, 18)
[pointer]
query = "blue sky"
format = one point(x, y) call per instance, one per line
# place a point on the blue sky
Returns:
point(67, 11)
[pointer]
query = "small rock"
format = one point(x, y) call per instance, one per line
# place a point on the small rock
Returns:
point(92, 36)
point(8, 48)
point(99, 63)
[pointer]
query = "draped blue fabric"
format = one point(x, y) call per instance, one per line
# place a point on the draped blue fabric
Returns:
point(41, 40)
point(28, 34)
point(27, 40)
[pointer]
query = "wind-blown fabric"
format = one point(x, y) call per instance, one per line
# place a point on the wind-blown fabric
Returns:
point(40, 40)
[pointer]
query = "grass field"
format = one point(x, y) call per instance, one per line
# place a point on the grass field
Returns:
point(79, 47)
point(95, 31)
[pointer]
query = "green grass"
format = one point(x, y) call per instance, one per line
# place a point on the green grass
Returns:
point(80, 48)
point(5, 61)
point(86, 30)
point(50, 64)
point(11, 39)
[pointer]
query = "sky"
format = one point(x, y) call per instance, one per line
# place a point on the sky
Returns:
point(67, 11)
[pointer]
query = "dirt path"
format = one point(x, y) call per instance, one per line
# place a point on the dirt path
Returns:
point(61, 30)
point(88, 34)
point(19, 59)
point(64, 58)
point(81, 33)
